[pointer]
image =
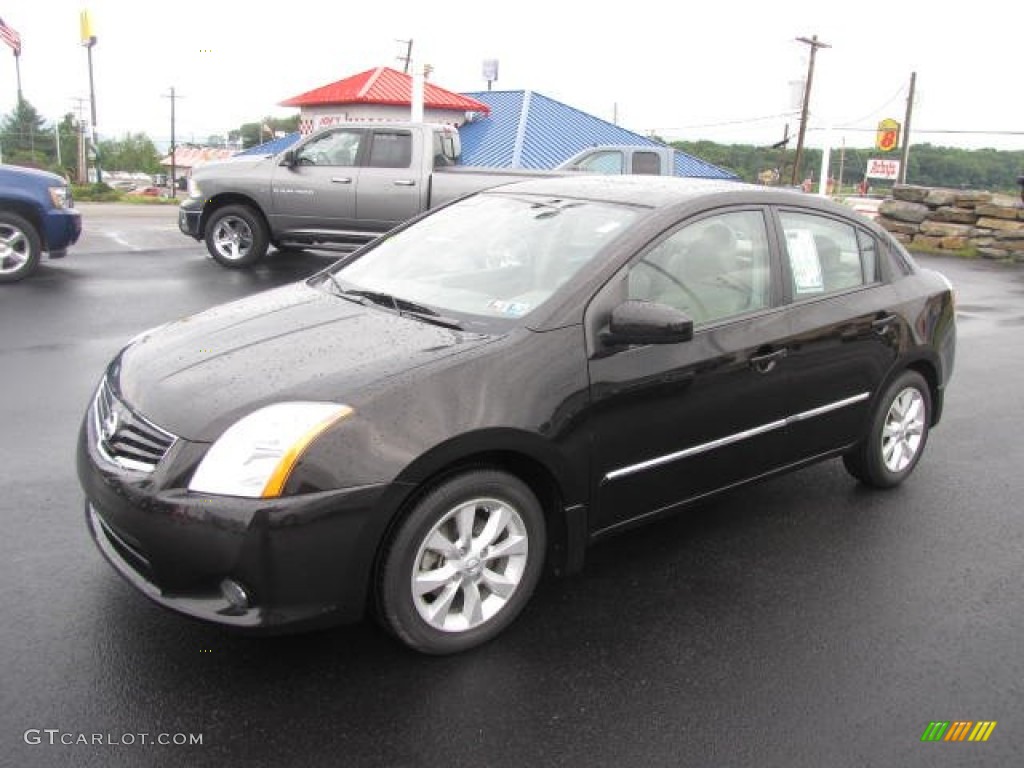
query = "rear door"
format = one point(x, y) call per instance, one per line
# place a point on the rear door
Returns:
point(845, 328)
point(391, 189)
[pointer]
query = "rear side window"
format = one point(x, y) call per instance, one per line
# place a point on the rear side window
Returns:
point(825, 255)
point(647, 163)
point(391, 149)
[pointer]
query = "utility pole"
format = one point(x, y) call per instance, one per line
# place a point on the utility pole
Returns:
point(906, 129)
point(174, 149)
point(407, 59)
point(815, 44)
point(842, 163)
point(83, 177)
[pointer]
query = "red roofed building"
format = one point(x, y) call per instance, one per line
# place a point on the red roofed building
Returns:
point(378, 94)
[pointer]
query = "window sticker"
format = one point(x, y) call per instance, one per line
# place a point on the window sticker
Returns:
point(804, 262)
point(512, 308)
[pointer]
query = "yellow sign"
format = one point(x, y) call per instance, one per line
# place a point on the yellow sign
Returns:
point(888, 136)
point(85, 27)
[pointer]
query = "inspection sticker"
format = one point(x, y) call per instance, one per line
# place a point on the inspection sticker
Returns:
point(513, 308)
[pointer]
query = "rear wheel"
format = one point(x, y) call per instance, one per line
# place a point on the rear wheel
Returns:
point(20, 247)
point(897, 435)
point(236, 236)
point(463, 563)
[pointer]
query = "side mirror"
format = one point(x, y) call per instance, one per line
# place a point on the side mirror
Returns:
point(288, 158)
point(644, 322)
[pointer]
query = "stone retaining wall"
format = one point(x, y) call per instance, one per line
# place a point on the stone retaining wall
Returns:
point(952, 219)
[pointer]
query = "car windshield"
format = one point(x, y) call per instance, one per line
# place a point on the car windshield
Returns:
point(496, 255)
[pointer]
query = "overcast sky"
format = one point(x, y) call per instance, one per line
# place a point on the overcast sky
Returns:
point(719, 70)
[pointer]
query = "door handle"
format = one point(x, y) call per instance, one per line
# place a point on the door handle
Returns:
point(341, 180)
point(883, 324)
point(766, 362)
point(404, 183)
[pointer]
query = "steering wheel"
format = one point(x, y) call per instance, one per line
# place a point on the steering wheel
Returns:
point(700, 305)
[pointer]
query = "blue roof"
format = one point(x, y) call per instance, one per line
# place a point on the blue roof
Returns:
point(529, 130)
point(271, 147)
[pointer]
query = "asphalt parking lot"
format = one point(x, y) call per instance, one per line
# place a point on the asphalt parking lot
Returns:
point(805, 621)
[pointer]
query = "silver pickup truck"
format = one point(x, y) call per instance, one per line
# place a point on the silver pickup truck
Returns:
point(343, 186)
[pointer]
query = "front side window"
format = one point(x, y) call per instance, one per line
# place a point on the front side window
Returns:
point(495, 255)
point(825, 255)
point(334, 148)
point(608, 162)
point(712, 269)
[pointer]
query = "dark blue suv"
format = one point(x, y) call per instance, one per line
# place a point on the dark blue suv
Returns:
point(36, 215)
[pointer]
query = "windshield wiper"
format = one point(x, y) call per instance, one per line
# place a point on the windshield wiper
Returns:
point(330, 276)
point(402, 307)
point(383, 299)
point(430, 316)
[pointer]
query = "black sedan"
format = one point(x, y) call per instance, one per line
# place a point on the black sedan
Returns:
point(417, 430)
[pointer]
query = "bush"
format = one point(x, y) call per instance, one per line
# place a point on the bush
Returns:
point(95, 193)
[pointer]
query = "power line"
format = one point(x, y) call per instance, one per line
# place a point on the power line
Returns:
point(890, 100)
point(744, 121)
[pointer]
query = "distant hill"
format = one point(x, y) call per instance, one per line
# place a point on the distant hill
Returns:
point(990, 169)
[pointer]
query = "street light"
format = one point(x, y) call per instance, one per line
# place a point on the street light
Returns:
point(89, 40)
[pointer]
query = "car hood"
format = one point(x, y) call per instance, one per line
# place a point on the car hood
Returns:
point(232, 165)
point(196, 376)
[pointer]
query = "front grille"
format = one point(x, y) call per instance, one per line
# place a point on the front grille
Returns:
point(124, 437)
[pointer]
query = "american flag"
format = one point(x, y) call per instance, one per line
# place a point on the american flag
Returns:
point(10, 37)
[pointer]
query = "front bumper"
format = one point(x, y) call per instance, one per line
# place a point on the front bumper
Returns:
point(302, 561)
point(61, 229)
point(190, 216)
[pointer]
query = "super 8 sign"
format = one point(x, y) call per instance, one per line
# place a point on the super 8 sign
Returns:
point(888, 136)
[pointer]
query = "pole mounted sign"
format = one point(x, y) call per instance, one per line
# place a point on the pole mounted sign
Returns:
point(888, 136)
point(883, 168)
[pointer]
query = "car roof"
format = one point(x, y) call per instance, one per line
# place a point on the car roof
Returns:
point(664, 191)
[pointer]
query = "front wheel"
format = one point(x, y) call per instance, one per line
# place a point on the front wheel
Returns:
point(20, 248)
point(897, 435)
point(463, 563)
point(236, 236)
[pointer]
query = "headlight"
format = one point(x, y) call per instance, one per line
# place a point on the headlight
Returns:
point(193, 188)
point(256, 454)
point(59, 196)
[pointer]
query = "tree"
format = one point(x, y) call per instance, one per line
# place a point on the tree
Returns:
point(25, 138)
point(253, 134)
point(133, 153)
point(69, 132)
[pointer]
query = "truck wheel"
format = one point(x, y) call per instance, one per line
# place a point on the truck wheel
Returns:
point(20, 248)
point(236, 236)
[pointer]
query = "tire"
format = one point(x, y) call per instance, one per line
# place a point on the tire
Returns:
point(20, 248)
point(475, 544)
point(236, 236)
point(897, 435)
